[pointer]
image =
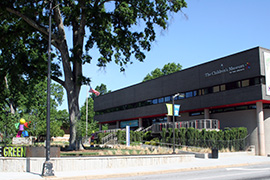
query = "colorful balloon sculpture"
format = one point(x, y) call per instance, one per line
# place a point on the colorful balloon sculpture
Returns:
point(21, 131)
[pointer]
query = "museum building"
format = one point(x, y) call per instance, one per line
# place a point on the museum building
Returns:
point(234, 89)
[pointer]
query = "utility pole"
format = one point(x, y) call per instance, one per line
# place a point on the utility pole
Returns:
point(86, 119)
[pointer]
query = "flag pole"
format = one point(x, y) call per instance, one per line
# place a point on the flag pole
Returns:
point(86, 119)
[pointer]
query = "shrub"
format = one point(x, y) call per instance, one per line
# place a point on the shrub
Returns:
point(169, 137)
point(190, 136)
point(147, 136)
point(163, 135)
point(182, 136)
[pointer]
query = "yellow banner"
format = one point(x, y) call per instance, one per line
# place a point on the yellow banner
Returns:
point(169, 109)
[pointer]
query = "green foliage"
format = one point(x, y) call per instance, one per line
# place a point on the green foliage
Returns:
point(7, 126)
point(196, 137)
point(163, 134)
point(32, 107)
point(102, 89)
point(203, 137)
point(37, 111)
point(190, 136)
point(154, 141)
point(176, 132)
point(147, 136)
point(105, 126)
point(182, 136)
point(100, 136)
point(131, 134)
point(120, 135)
point(169, 136)
point(229, 138)
point(137, 136)
point(167, 69)
point(92, 125)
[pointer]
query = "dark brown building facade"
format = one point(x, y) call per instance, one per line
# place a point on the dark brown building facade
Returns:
point(233, 89)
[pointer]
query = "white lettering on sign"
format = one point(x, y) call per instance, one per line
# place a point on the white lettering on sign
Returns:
point(231, 70)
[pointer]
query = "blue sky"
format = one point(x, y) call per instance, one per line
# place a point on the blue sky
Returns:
point(205, 31)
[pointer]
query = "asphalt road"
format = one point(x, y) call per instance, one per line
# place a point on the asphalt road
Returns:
point(258, 172)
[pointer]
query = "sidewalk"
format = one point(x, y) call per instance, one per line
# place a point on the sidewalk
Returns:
point(197, 164)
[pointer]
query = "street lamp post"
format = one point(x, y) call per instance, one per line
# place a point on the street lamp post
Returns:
point(174, 96)
point(47, 165)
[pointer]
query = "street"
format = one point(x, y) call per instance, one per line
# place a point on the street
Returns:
point(258, 172)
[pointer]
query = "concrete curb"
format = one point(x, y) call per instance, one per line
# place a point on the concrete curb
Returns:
point(128, 174)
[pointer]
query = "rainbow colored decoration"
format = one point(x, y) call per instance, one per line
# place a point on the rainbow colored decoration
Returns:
point(21, 126)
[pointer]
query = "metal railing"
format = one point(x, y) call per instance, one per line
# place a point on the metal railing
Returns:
point(109, 137)
point(208, 124)
point(108, 130)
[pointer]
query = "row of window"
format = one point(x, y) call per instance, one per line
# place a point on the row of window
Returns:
point(189, 94)
point(227, 109)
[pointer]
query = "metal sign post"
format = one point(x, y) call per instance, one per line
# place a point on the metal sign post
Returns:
point(48, 166)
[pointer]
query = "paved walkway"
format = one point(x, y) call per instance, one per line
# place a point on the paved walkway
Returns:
point(197, 164)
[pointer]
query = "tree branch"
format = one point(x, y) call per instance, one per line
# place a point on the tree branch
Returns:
point(83, 19)
point(56, 79)
point(32, 23)
point(59, 23)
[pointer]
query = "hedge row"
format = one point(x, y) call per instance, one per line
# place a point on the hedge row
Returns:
point(228, 138)
point(231, 138)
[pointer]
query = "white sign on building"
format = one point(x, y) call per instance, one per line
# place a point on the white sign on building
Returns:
point(267, 72)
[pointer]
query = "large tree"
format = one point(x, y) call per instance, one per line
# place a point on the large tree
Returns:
point(117, 28)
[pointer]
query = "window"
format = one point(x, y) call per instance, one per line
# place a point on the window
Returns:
point(195, 113)
point(241, 107)
point(216, 89)
point(189, 94)
point(245, 83)
point(181, 96)
point(155, 101)
point(252, 106)
point(201, 92)
point(149, 102)
point(266, 106)
point(229, 109)
point(216, 111)
point(160, 100)
point(222, 87)
point(232, 85)
point(208, 90)
point(168, 98)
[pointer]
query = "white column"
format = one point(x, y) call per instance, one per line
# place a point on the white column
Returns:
point(117, 124)
point(260, 125)
point(140, 122)
point(206, 114)
point(100, 126)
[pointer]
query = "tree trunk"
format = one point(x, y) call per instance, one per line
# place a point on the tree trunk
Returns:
point(12, 110)
point(74, 118)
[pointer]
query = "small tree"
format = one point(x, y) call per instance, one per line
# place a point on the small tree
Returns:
point(182, 136)
point(163, 135)
point(7, 126)
point(169, 137)
point(190, 136)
